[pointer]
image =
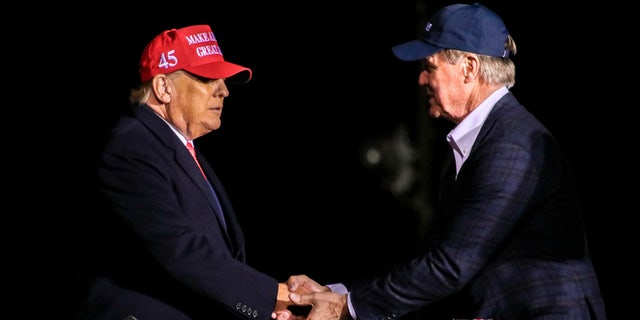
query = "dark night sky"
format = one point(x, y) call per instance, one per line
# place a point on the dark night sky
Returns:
point(326, 86)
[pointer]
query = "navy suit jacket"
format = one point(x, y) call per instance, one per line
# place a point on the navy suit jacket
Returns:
point(158, 249)
point(509, 241)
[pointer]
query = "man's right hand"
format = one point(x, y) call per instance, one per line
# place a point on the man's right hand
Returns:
point(325, 305)
point(303, 284)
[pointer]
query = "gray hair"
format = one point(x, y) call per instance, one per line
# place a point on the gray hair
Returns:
point(493, 70)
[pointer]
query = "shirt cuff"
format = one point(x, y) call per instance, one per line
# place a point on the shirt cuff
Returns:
point(341, 289)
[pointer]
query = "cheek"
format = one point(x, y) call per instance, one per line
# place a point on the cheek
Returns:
point(198, 98)
point(189, 94)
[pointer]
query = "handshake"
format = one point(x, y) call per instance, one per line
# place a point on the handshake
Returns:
point(301, 297)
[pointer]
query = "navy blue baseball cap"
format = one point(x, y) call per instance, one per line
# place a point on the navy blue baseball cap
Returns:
point(467, 27)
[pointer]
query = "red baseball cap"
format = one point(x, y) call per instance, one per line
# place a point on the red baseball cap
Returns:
point(193, 49)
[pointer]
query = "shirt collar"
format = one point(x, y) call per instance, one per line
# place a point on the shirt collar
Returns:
point(462, 137)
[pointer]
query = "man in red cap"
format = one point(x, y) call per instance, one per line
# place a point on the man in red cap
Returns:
point(167, 245)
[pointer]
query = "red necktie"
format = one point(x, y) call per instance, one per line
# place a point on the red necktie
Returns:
point(192, 150)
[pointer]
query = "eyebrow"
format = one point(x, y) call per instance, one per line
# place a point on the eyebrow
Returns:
point(199, 78)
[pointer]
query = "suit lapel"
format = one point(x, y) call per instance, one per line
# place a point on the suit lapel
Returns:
point(186, 163)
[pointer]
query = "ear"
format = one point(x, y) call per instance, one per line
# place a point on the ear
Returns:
point(471, 67)
point(161, 88)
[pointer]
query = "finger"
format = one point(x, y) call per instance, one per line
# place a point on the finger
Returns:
point(292, 283)
point(312, 286)
point(283, 316)
point(295, 298)
point(280, 315)
point(301, 299)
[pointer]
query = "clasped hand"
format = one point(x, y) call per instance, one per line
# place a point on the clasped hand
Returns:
point(303, 298)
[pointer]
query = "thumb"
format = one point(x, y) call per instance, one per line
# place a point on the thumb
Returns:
point(299, 299)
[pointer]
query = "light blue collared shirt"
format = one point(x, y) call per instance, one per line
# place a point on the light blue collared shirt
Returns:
point(463, 136)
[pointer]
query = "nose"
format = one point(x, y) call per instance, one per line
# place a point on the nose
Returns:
point(220, 89)
point(423, 78)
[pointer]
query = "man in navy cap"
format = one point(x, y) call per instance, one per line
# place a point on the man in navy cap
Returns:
point(508, 241)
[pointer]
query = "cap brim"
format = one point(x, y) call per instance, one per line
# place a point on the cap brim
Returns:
point(222, 70)
point(414, 50)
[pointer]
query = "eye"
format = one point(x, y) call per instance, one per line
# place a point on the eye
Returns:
point(427, 66)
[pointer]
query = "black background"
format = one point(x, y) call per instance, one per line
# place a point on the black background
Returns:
point(326, 87)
